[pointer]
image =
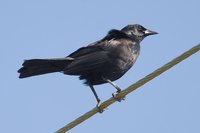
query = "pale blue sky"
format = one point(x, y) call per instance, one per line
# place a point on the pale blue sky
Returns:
point(52, 28)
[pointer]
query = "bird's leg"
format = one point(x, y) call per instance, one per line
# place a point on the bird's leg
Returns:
point(117, 87)
point(97, 98)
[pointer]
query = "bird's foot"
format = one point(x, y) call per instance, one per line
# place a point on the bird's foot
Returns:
point(100, 109)
point(118, 98)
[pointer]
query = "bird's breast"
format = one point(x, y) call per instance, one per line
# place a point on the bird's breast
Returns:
point(121, 60)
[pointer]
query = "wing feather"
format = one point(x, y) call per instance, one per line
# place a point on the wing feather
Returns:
point(87, 63)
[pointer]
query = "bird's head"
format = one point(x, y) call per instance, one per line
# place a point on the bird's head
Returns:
point(137, 32)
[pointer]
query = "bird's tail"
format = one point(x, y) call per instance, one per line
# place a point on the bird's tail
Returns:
point(35, 67)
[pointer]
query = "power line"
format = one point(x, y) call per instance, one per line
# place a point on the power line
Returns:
point(131, 88)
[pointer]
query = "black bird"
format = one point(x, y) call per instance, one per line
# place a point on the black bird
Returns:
point(101, 62)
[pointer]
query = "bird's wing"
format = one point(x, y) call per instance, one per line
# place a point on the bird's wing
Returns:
point(95, 55)
point(85, 50)
point(87, 62)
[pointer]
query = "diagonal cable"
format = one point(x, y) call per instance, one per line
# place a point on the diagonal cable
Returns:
point(131, 88)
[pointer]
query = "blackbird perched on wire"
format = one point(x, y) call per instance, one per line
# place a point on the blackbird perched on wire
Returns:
point(101, 62)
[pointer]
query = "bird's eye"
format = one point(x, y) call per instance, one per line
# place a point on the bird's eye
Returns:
point(132, 33)
point(140, 28)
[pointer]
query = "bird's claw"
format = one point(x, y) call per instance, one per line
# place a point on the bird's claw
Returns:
point(100, 109)
point(116, 97)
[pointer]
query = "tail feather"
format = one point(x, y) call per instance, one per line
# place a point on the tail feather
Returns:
point(35, 67)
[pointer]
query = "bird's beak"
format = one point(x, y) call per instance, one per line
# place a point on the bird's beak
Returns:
point(149, 32)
